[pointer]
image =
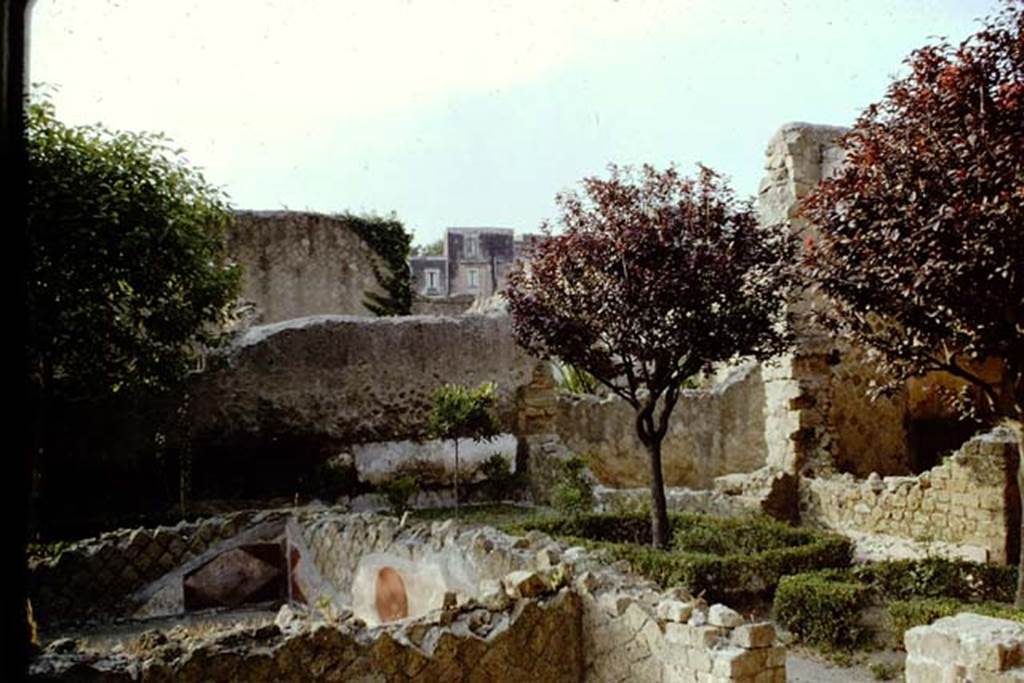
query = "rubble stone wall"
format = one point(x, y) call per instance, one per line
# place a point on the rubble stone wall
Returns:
point(346, 380)
point(296, 264)
point(95, 576)
point(967, 647)
point(966, 501)
point(711, 433)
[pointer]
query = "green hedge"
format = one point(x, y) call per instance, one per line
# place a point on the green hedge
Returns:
point(915, 592)
point(718, 557)
point(821, 610)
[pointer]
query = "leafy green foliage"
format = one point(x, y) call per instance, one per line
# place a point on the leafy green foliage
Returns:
point(461, 412)
point(915, 590)
point(435, 248)
point(389, 239)
point(399, 491)
point(575, 380)
point(821, 611)
point(765, 551)
point(130, 279)
point(937, 577)
point(573, 494)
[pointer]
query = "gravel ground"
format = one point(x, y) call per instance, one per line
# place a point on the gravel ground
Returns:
point(804, 666)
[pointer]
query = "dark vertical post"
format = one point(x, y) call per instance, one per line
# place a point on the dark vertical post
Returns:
point(13, 44)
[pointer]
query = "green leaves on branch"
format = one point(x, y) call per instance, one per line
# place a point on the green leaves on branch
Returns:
point(462, 412)
point(130, 278)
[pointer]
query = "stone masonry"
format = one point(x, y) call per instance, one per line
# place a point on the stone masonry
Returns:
point(542, 611)
point(967, 648)
point(966, 502)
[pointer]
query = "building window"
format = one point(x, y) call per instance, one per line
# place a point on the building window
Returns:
point(474, 278)
point(432, 278)
point(472, 246)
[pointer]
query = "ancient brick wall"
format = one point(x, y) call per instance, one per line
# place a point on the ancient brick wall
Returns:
point(968, 501)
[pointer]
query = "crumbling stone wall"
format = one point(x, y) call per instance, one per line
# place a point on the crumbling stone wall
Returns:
point(297, 263)
point(95, 576)
point(817, 414)
point(343, 380)
point(967, 647)
point(542, 611)
point(967, 502)
point(711, 433)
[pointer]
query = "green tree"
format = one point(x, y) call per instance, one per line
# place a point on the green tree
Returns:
point(460, 412)
point(130, 279)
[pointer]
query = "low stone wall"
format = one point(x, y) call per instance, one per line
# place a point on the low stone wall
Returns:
point(95, 576)
point(967, 647)
point(540, 611)
point(711, 433)
point(449, 305)
point(968, 501)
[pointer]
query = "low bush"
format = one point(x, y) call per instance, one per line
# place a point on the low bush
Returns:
point(820, 610)
point(936, 577)
point(718, 557)
point(907, 614)
point(915, 592)
point(573, 494)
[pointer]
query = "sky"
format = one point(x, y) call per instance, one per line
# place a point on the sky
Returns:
point(473, 112)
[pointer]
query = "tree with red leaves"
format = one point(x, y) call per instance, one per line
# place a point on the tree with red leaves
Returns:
point(920, 251)
point(654, 278)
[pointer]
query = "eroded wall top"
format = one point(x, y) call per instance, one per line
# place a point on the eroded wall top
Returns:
point(298, 264)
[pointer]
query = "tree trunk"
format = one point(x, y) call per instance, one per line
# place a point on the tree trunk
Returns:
point(659, 510)
point(1018, 601)
point(456, 478)
point(1018, 432)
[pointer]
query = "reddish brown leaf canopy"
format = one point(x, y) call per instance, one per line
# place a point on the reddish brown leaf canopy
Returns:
point(653, 277)
point(921, 248)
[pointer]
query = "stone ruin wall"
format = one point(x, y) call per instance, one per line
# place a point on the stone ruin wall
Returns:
point(964, 504)
point(346, 380)
point(711, 433)
point(543, 611)
point(966, 647)
point(297, 264)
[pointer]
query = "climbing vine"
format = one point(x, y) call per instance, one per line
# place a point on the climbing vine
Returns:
point(389, 240)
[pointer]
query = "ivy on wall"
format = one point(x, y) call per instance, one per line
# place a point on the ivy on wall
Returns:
point(389, 240)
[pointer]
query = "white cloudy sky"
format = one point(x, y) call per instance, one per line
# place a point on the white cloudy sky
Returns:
point(474, 112)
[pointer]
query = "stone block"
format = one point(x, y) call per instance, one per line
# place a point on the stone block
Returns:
point(674, 610)
point(720, 615)
point(753, 636)
point(524, 584)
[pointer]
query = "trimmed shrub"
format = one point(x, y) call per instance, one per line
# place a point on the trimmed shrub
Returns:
point(573, 495)
point(718, 557)
point(917, 591)
point(821, 611)
point(936, 577)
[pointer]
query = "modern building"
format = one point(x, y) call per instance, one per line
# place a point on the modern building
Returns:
point(476, 261)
